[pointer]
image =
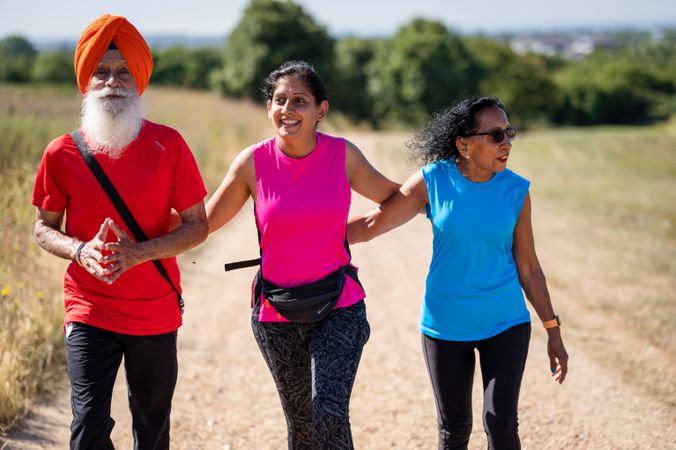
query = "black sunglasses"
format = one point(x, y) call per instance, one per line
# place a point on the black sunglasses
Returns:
point(498, 134)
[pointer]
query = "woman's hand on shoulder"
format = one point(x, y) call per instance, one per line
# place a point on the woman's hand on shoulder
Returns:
point(400, 207)
point(365, 179)
point(237, 185)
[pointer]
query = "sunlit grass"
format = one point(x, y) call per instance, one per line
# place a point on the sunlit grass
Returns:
point(31, 310)
point(622, 172)
point(30, 302)
point(625, 179)
point(608, 197)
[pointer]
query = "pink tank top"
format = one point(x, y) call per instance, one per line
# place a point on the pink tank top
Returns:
point(301, 209)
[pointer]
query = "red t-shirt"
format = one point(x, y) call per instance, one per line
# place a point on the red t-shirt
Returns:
point(155, 173)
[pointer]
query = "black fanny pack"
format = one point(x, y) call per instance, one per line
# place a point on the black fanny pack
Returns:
point(307, 303)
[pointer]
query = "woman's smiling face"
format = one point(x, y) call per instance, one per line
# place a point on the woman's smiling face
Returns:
point(293, 110)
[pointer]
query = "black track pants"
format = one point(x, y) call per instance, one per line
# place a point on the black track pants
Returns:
point(94, 356)
point(451, 368)
point(314, 367)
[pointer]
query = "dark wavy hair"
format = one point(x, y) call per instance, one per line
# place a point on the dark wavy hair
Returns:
point(301, 69)
point(435, 141)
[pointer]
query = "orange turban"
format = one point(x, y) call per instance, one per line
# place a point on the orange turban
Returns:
point(94, 43)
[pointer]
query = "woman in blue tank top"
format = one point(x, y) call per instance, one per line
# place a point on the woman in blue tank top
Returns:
point(483, 256)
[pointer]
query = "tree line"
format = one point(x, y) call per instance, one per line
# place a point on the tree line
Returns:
point(423, 67)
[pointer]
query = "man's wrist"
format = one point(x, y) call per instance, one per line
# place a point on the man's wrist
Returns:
point(78, 251)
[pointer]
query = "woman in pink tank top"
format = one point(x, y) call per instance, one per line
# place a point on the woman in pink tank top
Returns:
point(300, 181)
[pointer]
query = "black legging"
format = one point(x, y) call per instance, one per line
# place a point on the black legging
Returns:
point(451, 368)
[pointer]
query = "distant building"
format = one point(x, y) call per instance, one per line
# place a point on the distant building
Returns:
point(579, 48)
point(569, 45)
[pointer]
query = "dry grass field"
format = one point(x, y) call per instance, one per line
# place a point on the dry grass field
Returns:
point(604, 211)
point(612, 192)
point(30, 301)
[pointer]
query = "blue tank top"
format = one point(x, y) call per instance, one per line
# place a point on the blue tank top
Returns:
point(472, 289)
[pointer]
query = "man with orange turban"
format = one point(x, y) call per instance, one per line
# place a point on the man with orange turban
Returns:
point(122, 293)
point(95, 42)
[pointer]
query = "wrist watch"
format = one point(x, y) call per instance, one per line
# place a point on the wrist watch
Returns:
point(555, 322)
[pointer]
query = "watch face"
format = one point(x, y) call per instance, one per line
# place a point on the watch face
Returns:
point(558, 320)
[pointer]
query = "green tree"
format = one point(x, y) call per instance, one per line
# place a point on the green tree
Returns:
point(203, 62)
point(169, 66)
point(608, 88)
point(54, 67)
point(632, 82)
point(423, 68)
point(16, 59)
point(353, 55)
point(179, 66)
point(524, 83)
point(269, 33)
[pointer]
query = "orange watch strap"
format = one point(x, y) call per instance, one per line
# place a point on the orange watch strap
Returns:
point(555, 322)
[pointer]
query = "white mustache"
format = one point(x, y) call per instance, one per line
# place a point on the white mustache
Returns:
point(107, 91)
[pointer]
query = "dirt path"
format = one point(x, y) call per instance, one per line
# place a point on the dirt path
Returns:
point(225, 397)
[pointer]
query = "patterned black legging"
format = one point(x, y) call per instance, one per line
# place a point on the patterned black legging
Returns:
point(314, 367)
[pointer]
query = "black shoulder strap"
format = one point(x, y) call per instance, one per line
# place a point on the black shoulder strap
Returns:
point(119, 204)
point(248, 262)
point(241, 264)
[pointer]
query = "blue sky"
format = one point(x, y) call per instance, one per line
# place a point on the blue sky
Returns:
point(39, 19)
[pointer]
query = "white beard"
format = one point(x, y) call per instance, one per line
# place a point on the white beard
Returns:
point(110, 124)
